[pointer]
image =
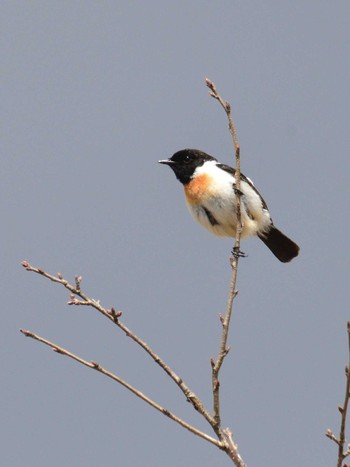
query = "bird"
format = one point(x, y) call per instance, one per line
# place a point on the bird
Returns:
point(211, 196)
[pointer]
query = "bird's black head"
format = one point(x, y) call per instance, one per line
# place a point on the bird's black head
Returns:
point(185, 162)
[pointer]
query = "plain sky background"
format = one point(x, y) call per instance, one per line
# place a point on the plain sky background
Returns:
point(94, 93)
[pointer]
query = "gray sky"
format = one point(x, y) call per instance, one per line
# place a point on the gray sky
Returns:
point(94, 93)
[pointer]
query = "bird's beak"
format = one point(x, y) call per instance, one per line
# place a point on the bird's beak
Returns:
point(166, 162)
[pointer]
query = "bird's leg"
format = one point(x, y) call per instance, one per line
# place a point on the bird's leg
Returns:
point(238, 253)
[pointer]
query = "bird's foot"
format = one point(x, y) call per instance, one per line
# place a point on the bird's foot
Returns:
point(237, 253)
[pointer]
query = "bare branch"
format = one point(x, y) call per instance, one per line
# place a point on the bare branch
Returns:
point(225, 321)
point(99, 368)
point(233, 448)
point(227, 108)
point(340, 441)
point(114, 316)
point(78, 298)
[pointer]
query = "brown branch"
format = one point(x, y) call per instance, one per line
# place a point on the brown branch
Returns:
point(226, 435)
point(77, 297)
point(340, 441)
point(99, 368)
point(114, 316)
point(225, 321)
point(227, 107)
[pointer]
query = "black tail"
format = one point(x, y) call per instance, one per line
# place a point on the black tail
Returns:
point(281, 246)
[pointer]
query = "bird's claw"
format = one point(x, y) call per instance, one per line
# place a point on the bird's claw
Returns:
point(237, 253)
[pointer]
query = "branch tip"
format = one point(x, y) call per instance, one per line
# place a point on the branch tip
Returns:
point(209, 83)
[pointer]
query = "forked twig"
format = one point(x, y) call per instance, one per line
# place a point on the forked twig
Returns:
point(340, 441)
point(77, 297)
point(114, 316)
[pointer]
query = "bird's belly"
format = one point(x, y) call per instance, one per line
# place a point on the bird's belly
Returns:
point(219, 216)
point(213, 203)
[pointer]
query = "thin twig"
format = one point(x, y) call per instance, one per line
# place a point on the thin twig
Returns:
point(340, 441)
point(114, 316)
point(225, 321)
point(227, 107)
point(98, 367)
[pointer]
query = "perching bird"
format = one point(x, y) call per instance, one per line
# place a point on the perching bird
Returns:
point(211, 198)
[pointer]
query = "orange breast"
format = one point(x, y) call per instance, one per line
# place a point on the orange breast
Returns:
point(197, 190)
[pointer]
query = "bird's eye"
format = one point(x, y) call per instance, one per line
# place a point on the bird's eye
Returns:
point(187, 158)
